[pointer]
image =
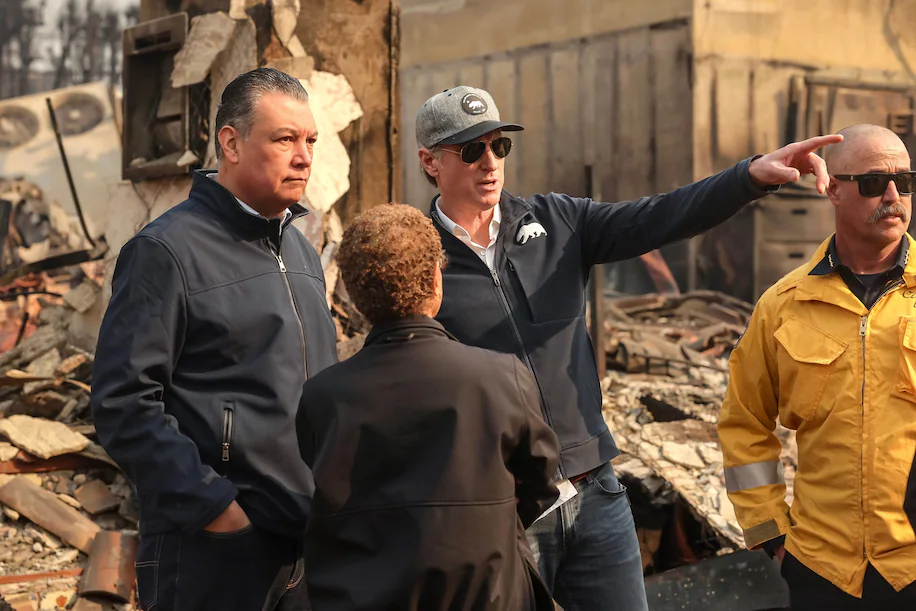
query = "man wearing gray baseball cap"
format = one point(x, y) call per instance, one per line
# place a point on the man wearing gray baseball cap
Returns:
point(515, 283)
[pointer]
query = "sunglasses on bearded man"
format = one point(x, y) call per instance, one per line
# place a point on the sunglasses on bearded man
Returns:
point(472, 151)
point(875, 184)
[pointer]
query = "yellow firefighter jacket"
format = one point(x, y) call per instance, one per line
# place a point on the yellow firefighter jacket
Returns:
point(844, 378)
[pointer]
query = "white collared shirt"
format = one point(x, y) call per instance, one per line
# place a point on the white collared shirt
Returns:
point(249, 209)
point(486, 253)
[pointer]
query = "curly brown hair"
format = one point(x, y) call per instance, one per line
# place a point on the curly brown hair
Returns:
point(388, 259)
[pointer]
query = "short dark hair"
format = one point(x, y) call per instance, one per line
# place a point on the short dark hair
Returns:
point(387, 259)
point(239, 101)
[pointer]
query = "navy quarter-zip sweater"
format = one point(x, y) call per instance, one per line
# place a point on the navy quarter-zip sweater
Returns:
point(533, 304)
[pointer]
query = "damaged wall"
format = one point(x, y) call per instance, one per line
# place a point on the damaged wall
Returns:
point(359, 39)
point(655, 95)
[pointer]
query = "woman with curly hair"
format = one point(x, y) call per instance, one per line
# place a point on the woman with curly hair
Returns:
point(430, 457)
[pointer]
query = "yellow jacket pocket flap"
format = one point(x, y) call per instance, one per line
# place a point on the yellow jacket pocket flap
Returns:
point(806, 343)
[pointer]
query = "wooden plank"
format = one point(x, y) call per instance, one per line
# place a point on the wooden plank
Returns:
point(673, 128)
point(44, 508)
point(424, 84)
point(673, 116)
point(634, 115)
point(704, 86)
point(566, 161)
point(414, 93)
point(733, 113)
point(770, 104)
point(599, 126)
point(500, 79)
point(534, 141)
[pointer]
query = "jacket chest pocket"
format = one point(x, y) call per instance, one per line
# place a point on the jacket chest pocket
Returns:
point(806, 360)
point(906, 370)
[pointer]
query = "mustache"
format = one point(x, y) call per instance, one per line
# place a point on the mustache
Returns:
point(886, 210)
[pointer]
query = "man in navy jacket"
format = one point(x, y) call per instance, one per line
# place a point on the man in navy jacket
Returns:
point(217, 317)
point(516, 283)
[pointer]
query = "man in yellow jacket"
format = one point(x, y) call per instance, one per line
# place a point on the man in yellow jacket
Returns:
point(831, 352)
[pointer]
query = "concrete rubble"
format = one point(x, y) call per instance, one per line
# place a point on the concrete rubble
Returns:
point(668, 371)
point(68, 515)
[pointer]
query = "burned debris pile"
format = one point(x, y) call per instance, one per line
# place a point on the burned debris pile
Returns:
point(667, 359)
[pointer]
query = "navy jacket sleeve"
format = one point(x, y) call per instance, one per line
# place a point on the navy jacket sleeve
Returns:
point(614, 232)
point(535, 459)
point(139, 344)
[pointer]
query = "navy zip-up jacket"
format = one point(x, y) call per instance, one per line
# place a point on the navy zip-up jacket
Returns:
point(533, 305)
point(216, 319)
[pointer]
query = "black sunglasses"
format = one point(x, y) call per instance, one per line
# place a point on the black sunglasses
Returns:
point(875, 184)
point(472, 151)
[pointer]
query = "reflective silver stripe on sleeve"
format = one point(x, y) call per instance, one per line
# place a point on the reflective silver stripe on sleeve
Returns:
point(754, 475)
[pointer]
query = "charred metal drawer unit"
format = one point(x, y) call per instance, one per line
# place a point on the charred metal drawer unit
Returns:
point(788, 227)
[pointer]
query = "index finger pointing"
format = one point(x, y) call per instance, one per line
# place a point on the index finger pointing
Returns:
point(812, 144)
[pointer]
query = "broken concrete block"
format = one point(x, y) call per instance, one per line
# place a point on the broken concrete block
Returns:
point(84, 296)
point(48, 404)
point(96, 498)
point(69, 500)
point(43, 438)
point(239, 56)
point(295, 48)
point(237, 9)
point(312, 227)
point(297, 67)
point(334, 107)
point(59, 600)
point(337, 99)
point(23, 602)
point(208, 37)
point(188, 158)
point(42, 367)
point(682, 454)
point(7, 451)
point(285, 15)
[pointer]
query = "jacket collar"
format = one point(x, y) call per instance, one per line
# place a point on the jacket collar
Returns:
point(511, 209)
point(831, 259)
point(831, 288)
point(219, 199)
point(405, 329)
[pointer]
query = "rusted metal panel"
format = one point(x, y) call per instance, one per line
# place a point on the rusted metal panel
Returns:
point(110, 570)
point(44, 508)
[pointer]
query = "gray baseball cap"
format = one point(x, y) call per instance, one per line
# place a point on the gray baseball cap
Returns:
point(458, 115)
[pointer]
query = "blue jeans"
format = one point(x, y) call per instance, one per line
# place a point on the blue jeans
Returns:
point(587, 551)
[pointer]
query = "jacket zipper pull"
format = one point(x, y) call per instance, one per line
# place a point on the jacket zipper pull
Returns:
point(495, 277)
point(280, 261)
point(511, 267)
point(863, 322)
point(227, 432)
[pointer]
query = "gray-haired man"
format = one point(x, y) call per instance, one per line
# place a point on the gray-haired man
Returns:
point(515, 283)
point(201, 361)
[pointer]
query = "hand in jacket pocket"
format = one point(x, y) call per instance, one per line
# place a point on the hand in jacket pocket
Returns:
point(233, 518)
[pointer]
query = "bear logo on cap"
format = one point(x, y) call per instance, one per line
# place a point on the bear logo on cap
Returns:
point(473, 104)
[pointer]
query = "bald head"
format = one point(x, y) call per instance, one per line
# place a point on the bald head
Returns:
point(862, 146)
